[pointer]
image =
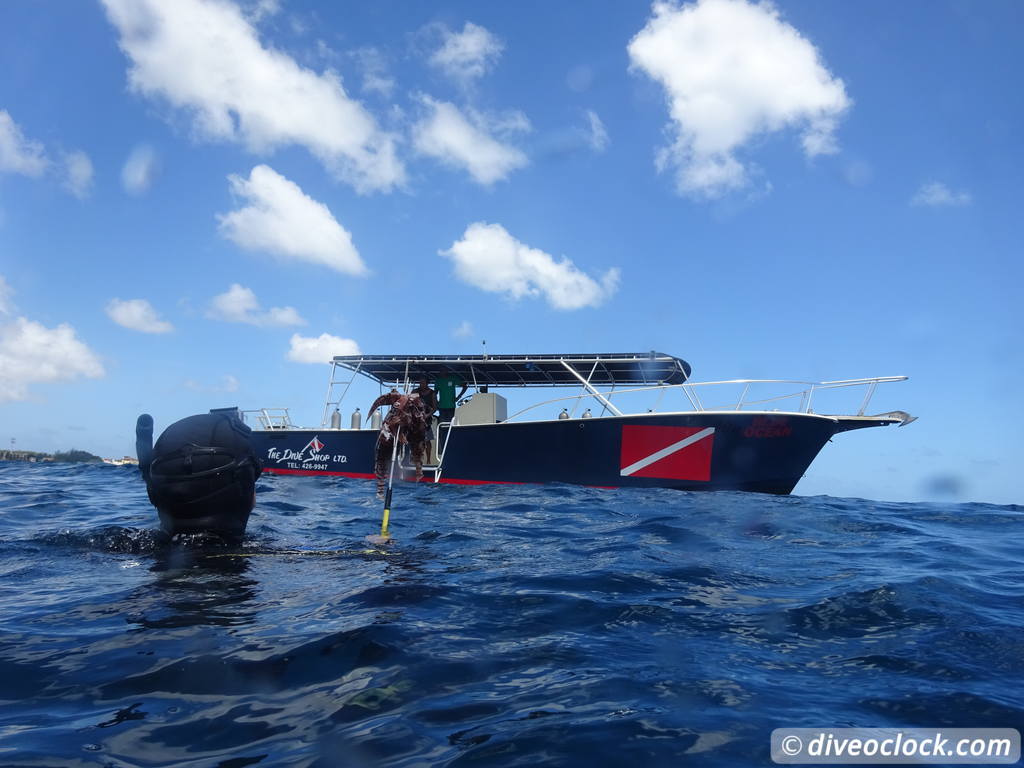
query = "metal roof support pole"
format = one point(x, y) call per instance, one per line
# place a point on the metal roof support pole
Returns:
point(691, 395)
point(594, 392)
point(739, 404)
point(330, 391)
point(327, 399)
point(348, 384)
point(657, 402)
point(867, 398)
point(810, 396)
point(612, 392)
point(576, 403)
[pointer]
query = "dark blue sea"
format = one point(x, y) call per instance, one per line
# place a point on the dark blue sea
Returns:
point(506, 626)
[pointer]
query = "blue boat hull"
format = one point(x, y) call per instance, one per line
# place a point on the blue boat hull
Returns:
point(767, 453)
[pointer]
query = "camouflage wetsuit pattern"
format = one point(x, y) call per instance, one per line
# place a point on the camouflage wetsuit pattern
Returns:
point(408, 414)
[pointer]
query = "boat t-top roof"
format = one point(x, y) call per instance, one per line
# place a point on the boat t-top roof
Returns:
point(555, 370)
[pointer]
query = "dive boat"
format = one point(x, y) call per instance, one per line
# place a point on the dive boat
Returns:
point(747, 444)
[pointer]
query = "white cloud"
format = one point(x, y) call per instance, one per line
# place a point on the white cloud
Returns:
point(21, 155)
point(140, 170)
point(319, 349)
point(489, 258)
point(464, 140)
point(935, 193)
point(18, 154)
point(78, 168)
point(238, 304)
point(31, 353)
point(463, 330)
point(206, 58)
point(467, 55)
point(257, 10)
point(597, 136)
point(281, 219)
point(283, 316)
point(375, 71)
point(733, 70)
point(137, 315)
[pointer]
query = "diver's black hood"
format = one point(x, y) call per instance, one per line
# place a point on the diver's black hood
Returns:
point(203, 475)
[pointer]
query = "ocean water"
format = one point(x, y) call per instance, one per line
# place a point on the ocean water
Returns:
point(507, 625)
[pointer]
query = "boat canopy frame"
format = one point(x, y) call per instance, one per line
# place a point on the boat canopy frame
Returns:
point(636, 372)
point(547, 370)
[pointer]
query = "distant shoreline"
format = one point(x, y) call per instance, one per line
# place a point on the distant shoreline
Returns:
point(74, 456)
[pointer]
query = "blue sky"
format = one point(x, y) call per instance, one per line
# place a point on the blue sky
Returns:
point(200, 200)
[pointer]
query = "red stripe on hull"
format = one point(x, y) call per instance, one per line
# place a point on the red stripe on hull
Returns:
point(315, 472)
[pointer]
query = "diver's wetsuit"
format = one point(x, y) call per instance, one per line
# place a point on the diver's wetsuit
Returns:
point(408, 414)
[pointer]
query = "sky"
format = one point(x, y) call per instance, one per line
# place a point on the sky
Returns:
point(202, 201)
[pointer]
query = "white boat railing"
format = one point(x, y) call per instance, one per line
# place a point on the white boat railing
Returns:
point(804, 395)
point(270, 418)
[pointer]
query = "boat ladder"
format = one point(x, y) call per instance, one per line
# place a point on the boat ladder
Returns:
point(447, 430)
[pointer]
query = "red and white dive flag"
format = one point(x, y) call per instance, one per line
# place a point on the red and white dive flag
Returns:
point(673, 453)
point(315, 444)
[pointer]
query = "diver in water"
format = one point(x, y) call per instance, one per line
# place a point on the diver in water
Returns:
point(409, 420)
point(201, 474)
